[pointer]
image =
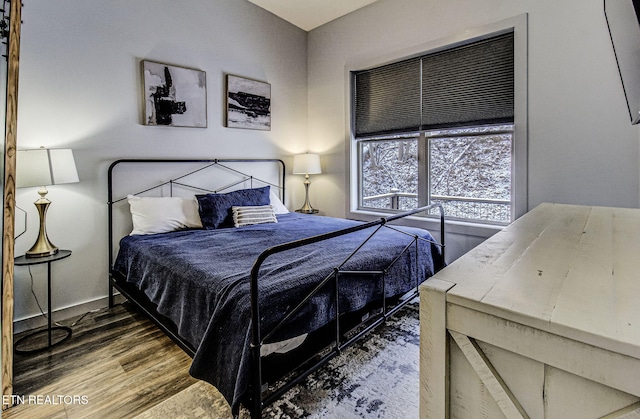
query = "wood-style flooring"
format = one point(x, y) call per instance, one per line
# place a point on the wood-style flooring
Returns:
point(117, 364)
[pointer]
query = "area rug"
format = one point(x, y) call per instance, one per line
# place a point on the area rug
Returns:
point(378, 377)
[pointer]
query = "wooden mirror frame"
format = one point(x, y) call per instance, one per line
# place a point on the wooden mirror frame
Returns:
point(11, 124)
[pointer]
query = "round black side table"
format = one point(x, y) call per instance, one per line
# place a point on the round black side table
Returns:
point(26, 261)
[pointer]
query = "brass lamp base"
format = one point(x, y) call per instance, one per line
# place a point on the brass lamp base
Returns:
point(306, 207)
point(42, 246)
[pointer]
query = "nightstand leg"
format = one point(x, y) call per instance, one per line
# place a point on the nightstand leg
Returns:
point(49, 298)
point(66, 331)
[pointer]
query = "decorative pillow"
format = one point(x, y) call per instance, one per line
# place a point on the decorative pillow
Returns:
point(276, 203)
point(215, 209)
point(152, 215)
point(244, 216)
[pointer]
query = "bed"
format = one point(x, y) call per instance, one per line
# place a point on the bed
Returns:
point(259, 303)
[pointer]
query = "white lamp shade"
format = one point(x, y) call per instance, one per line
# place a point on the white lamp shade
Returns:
point(306, 164)
point(43, 167)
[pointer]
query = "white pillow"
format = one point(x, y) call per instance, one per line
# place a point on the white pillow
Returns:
point(151, 215)
point(244, 216)
point(276, 203)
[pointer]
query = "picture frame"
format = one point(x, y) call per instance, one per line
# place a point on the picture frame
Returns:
point(174, 96)
point(248, 103)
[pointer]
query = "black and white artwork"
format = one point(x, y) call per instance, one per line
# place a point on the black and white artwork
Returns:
point(174, 96)
point(248, 103)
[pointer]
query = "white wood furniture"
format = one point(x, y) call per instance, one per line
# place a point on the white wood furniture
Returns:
point(542, 320)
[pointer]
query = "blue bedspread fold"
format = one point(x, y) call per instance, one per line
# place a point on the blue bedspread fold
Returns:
point(200, 280)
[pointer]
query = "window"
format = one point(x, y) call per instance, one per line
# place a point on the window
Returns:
point(469, 172)
point(389, 173)
point(439, 128)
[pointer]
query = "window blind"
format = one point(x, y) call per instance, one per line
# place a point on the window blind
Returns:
point(387, 98)
point(471, 84)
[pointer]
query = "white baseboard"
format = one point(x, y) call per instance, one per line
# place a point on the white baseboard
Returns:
point(62, 314)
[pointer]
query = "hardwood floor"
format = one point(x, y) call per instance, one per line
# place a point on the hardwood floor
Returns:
point(117, 364)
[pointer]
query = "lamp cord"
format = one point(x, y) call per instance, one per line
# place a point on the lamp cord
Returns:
point(42, 311)
point(24, 228)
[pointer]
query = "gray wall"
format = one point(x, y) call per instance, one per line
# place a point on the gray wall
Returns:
point(582, 146)
point(80, 87)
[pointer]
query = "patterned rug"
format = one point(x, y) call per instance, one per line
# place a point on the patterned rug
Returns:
point(377, 377)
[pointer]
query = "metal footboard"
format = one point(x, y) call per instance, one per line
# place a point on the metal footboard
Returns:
point(257, 402)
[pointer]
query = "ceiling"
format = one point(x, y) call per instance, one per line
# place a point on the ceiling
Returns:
point(309, 14)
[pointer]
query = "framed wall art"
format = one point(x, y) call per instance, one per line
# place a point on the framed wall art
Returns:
point(248, 103)
point(174, 96)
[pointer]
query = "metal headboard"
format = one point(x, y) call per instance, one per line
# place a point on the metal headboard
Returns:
point(182, 180)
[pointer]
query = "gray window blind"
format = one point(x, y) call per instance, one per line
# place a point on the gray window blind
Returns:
point(468, 85)
point(387, 98)
point(472, 84)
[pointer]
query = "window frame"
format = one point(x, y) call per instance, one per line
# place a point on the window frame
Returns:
point(519, 26)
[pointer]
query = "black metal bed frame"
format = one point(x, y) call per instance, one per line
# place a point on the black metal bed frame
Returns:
point(256, 402)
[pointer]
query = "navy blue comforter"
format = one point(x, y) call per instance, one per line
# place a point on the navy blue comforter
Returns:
point(200, 280)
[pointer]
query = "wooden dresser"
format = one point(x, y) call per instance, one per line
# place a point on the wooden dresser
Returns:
point(542, 320)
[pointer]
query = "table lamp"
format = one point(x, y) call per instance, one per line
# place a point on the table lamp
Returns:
point(306, 164)
point(42, 167)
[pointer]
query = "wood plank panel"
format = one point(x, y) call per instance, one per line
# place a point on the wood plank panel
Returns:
point(11, 126)
point(587, 298)
point(493, 382)
point(433, 343)
point(626, 264)
point(523, 376)
point(570, 396)
point(483, 263)
point(594, 363)
point(532, 284)
point(629, 412)
point(469, 397)
point(482, 267)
